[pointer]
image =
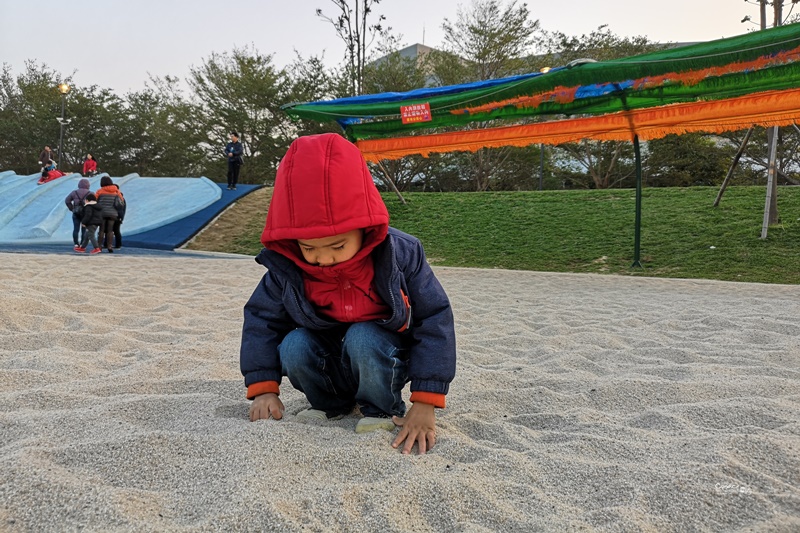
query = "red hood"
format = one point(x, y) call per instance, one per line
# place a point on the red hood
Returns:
point(323, 187)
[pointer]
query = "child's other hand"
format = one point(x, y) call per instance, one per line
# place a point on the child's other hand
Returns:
point(266, 406)
point(419, 425)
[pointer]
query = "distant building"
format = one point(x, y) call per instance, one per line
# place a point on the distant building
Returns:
point(414, 52)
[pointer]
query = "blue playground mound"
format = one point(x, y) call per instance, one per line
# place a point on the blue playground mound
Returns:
point(163, 213)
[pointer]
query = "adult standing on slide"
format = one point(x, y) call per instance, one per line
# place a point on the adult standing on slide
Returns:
point(234, 151)
point(46, 157)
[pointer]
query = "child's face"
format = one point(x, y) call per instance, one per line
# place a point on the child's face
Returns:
point(329, 251)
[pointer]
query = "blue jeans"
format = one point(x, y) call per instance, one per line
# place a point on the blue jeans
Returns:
point(361, 364)
point(76, 227)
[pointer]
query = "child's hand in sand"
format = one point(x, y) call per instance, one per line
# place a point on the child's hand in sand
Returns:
point(419, 425)
point(266, 406)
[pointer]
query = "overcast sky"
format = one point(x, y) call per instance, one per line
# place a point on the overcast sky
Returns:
point(118, 43)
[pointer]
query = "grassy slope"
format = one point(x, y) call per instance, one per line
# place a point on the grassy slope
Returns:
point(238, 229)
point(580, 231)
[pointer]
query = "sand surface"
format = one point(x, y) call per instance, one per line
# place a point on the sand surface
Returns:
point(582, 402)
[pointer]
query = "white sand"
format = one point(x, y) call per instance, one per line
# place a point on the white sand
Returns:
point(581, 402)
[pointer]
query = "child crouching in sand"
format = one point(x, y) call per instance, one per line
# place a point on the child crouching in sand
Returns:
point(349, 309)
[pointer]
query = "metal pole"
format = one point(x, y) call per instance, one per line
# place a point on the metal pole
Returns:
point(638, 223)
point(61, 136)
point(541, 166)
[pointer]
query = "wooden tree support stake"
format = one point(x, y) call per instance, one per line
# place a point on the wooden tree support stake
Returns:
point(735, 162)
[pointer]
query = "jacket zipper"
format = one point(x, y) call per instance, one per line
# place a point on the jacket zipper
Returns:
point(407, 305)
point(300, 307)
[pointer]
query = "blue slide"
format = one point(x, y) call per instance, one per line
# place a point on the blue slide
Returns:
point(36, 215)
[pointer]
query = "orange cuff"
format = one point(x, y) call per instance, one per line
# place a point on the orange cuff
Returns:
point(432, 398)
point(262, 387)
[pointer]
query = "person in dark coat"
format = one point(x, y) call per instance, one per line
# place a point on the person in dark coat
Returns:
point(74, 201)
point(121, 210)
point(234, 151)
point(92, 219)
point(46, 157)
point(109, 199)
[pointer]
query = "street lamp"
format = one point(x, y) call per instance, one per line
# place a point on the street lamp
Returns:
point(63, 88)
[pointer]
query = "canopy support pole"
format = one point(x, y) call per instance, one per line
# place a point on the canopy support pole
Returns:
point(541, 166)
point(638, 224)
point(637, 155)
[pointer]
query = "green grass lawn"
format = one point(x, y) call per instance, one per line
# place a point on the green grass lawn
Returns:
point(593, 231)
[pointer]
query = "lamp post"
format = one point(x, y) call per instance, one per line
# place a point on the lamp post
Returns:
point(63, 88)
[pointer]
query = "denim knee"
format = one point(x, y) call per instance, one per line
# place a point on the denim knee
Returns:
point(298, 350)
point(374, 357)
point(364, 339)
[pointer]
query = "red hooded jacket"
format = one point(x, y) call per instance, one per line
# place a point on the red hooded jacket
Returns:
point(327, 191)
point(323, 188)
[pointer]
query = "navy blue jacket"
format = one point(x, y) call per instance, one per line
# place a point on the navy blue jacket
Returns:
point(279, 306)
point(92, 215)
point(237, 149)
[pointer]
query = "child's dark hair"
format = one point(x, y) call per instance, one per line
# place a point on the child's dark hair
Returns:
point(91, 197)
point(234, 134)
point(105, 181)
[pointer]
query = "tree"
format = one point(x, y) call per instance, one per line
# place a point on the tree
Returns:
point(601, 45)
point(244, 91)
point(29, 106)
point(98, 122)
point(486, 41)
point(161, 137)
point(353, 26)
point(493, 40)
point(685, 160)
point(754, 163)
point(393, 72)
point(606, 164)
point(309, 81)
point(448, 69)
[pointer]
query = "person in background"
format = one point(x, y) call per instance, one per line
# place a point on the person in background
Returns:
point(90, 166)
point(46, 157)
point(49, 167)
point(109, 199)
point(234, 151)
point(92, 218)
point(74, 201)
point(121, 209)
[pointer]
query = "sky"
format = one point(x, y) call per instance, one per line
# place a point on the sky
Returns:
point(119, 44)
